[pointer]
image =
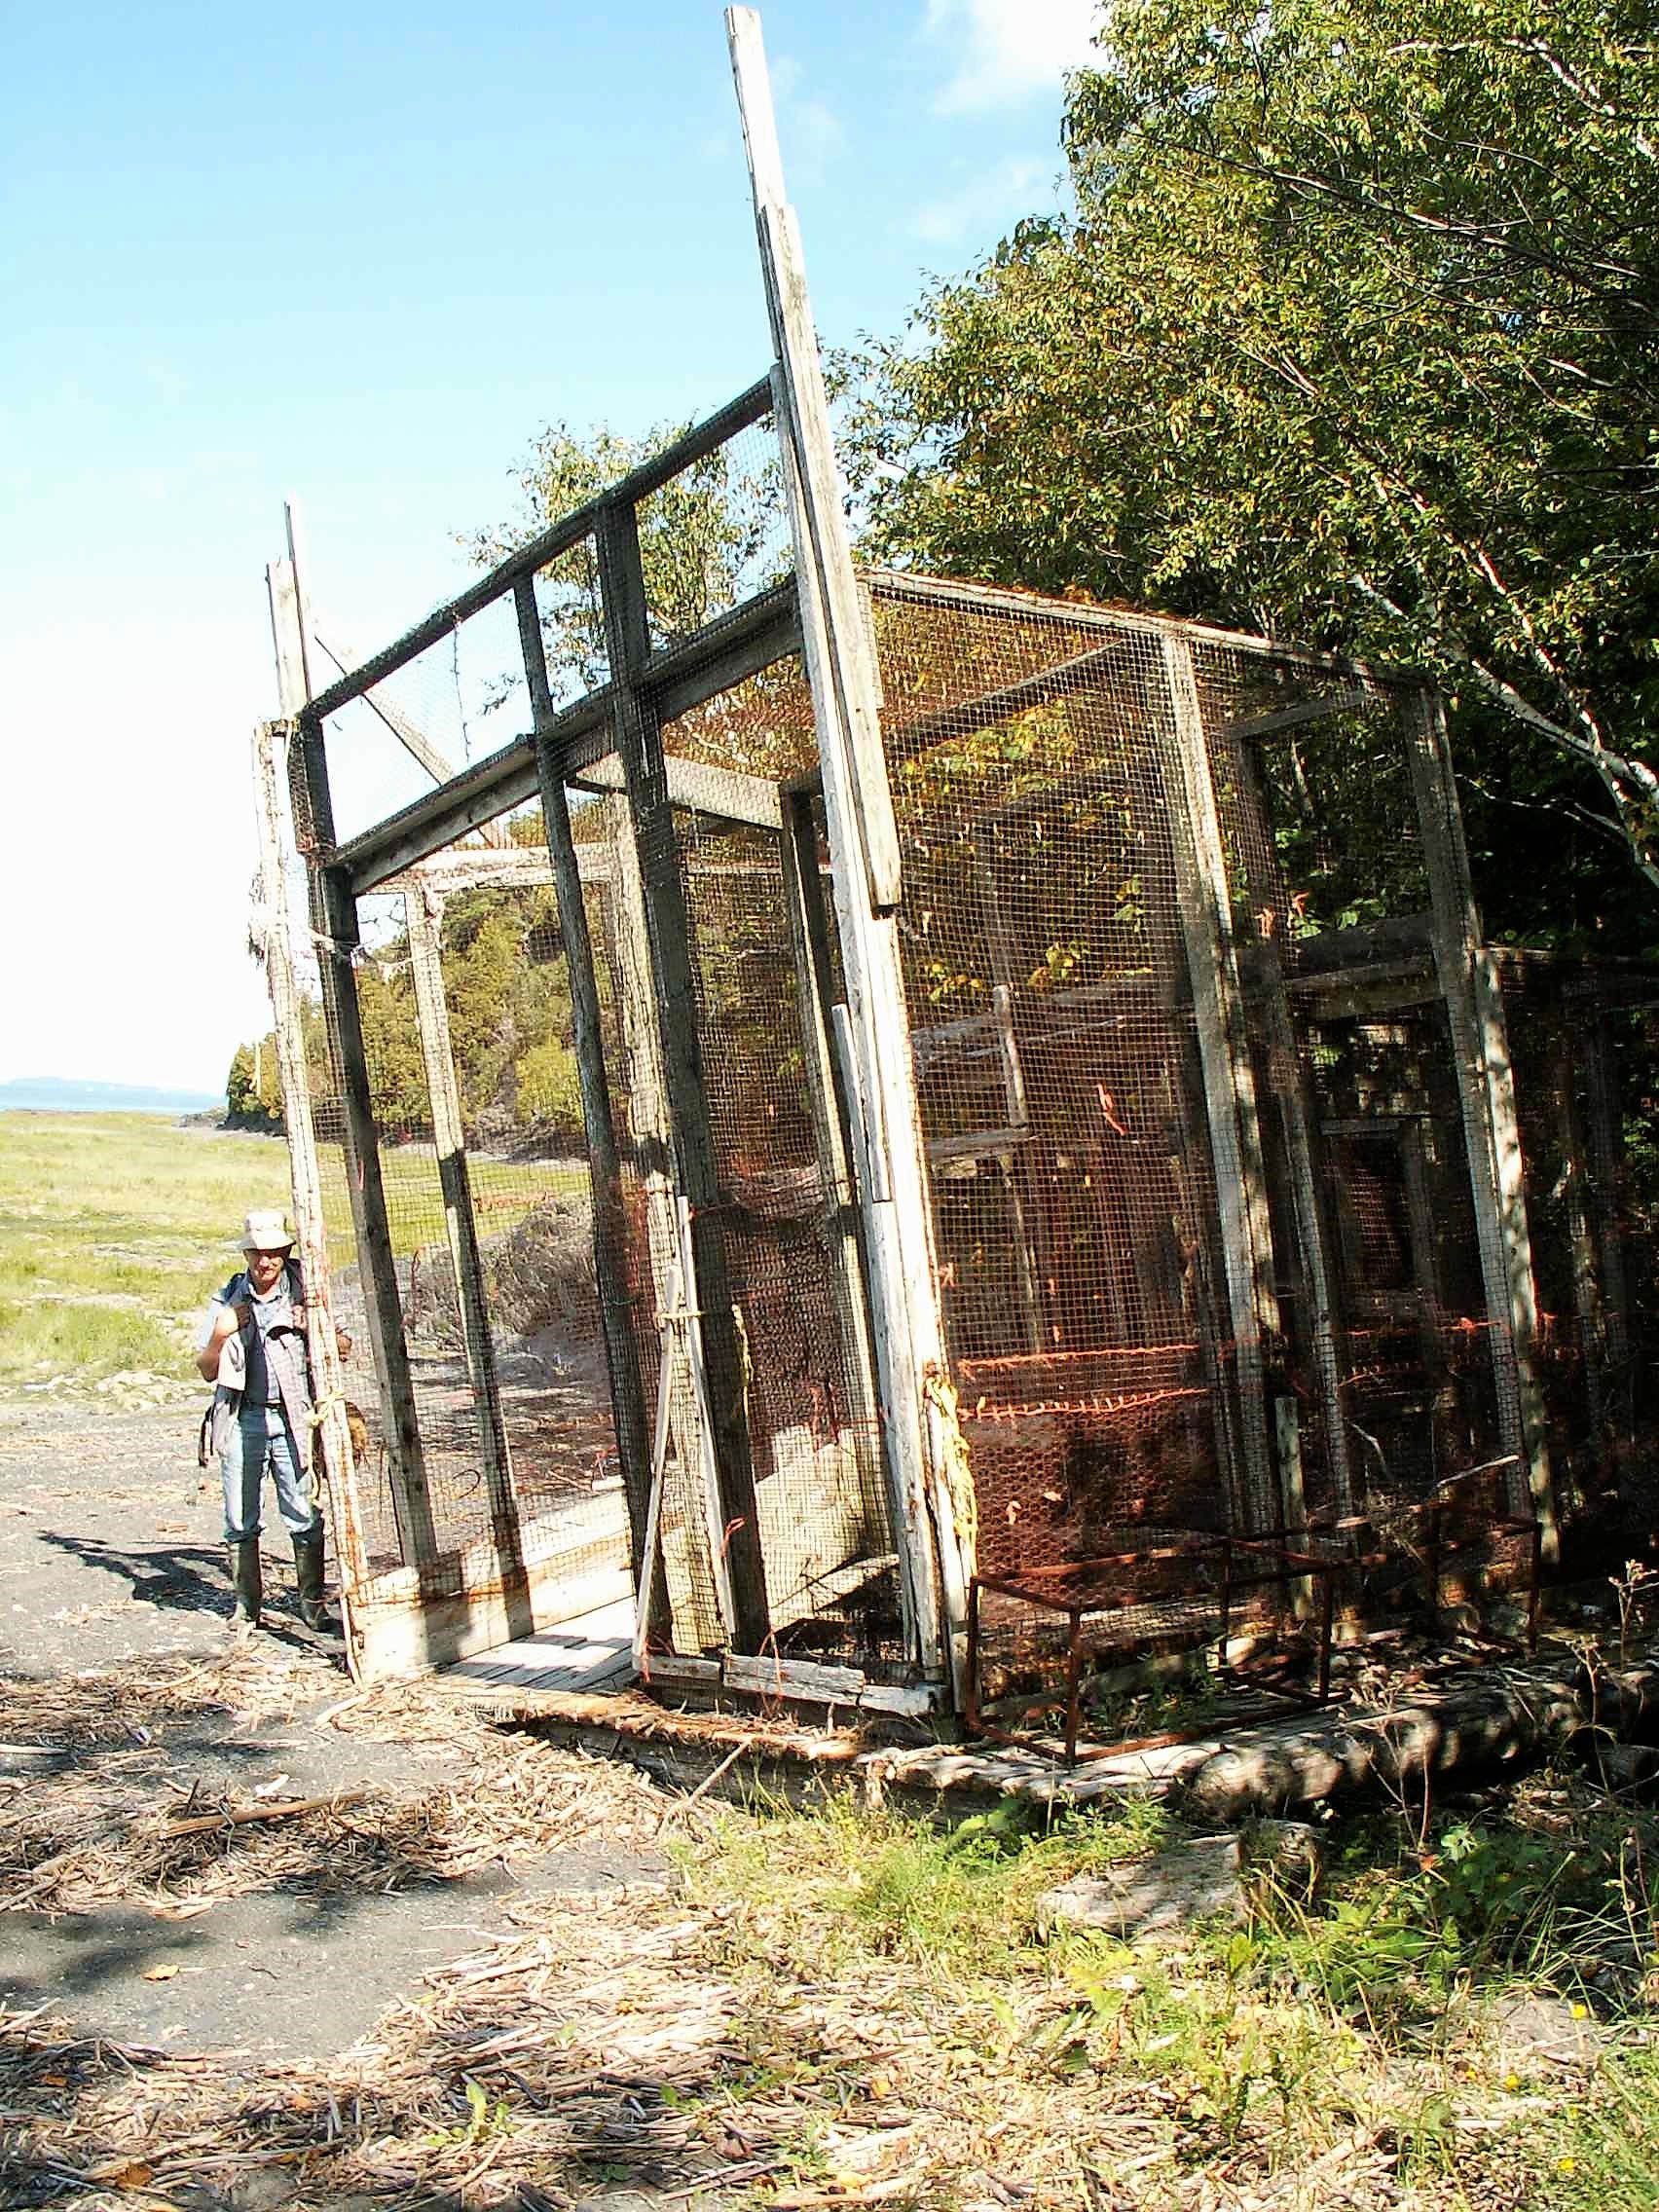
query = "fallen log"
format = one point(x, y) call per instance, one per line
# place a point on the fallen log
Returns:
point(1488, 1716)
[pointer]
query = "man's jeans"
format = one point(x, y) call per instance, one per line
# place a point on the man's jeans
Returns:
point(261, 1438)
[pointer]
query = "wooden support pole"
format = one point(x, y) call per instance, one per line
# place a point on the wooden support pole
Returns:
point(605, 1160)
point(707, 1579)
point(925, 1452)
point(1578, 1205)
point(422, 912)
point(1486, 1087)
point(1605, 1137)
point(638, 744)
point(334, 925)
point(273, 934)
point(807, 922)
point(1265, 977)
point(1230, 1083)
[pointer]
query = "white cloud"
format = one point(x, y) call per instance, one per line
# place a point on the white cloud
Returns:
point(1002, 52)
point(985, 204)
point(810, 133)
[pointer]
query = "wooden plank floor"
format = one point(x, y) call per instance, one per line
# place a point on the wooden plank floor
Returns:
point(594, 1651)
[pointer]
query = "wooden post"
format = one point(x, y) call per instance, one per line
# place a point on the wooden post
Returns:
point(639, 744)
point(647, 1102)
point(924, 1443)
point(423, 909)
point(334, 923)
point(807, 922)
point(1578, 1204)
point(333, 1435)
point(1297, 1123)
point(1480, 1046)
point(1604, 1135)
point(605, 1160)
point(1230, 1083)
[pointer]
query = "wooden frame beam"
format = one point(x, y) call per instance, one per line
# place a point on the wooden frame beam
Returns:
point(1486, 1089)
point(677, 679)
point(605, 1160)
point(638, 744)
point(751, 406)
point(925, 1454)
point(334, 923)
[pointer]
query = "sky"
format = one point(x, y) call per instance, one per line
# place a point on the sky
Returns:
point(359, 255)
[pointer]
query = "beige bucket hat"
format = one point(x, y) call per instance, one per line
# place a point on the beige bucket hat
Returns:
point(265, 1230)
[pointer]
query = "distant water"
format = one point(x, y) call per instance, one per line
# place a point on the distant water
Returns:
point(52, 1094)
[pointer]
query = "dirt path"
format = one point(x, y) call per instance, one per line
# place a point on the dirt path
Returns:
point(130, 1704)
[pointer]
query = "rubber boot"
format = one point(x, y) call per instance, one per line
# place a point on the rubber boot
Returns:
point(243, 1561)
point(308, 1573)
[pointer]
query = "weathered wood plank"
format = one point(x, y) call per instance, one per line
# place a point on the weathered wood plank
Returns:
point(724, 793)
point(1474, 1006)
point(334, 924)
point(605, 1160)
point(639, 744)
point(924, 1450)
point(1229, 1082)
point(334, 1436)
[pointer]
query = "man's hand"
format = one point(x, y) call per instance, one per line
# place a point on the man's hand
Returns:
point(226, 1323)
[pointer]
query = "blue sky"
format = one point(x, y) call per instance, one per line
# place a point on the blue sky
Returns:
point(362, 254)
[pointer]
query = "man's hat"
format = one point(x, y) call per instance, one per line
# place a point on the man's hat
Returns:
point(265, 1230)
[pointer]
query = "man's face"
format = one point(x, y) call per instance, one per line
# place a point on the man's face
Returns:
point(264, 1270)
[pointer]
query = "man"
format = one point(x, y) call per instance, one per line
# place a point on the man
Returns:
point(252, 1348)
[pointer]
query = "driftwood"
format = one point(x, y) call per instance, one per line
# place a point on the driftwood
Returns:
point(1484, 1717)
point(289, 1809)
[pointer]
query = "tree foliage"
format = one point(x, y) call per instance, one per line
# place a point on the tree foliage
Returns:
point(1353, 339)
point(709, 537)
point(507, 995)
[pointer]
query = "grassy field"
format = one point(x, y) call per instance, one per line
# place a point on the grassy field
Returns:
point(114, 1227)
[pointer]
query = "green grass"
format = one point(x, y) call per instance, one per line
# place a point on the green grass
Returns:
point(1357, 2027)
point(114, 1228)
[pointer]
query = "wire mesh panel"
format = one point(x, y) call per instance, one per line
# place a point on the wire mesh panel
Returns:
point(465, 1017)
point(1052, 1031)
point(787, 1248)
point(1365, 1116)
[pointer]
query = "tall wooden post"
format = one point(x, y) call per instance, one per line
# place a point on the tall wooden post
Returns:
point(807, 922)
point(1480, 1044)
point(924, 1448)
point(706, 1572)
point(605, 1160)
point(423, 909)
point(1230, 1086)
point(639, 744)
point(334, 922)
point(1322, 1316)
point(334, 1435)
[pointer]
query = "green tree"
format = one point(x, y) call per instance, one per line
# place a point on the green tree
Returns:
point(1352, 339)
point(709, 537)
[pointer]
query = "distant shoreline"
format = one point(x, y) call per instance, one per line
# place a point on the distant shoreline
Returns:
point(23, 1097)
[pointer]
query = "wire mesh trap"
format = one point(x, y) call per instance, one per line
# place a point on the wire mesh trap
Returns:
point(887, 1114)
